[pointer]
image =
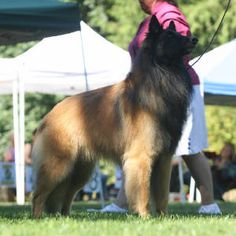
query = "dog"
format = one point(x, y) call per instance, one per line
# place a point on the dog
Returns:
point(136, 123)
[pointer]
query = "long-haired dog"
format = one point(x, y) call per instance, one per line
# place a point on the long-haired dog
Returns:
point(136, 123)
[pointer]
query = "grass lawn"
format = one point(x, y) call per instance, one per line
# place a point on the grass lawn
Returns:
point(182, 220)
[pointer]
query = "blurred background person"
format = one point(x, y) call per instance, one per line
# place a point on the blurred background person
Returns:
point(9, 155)
point(224, 171)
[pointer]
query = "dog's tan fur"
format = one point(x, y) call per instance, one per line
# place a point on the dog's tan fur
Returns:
point(79, 130)
point(136, 123)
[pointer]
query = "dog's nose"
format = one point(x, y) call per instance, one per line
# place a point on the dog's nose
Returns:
point(194, 40)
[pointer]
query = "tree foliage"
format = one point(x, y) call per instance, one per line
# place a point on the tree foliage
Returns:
point(204, 18)
point(221, 122)
point(117, 20)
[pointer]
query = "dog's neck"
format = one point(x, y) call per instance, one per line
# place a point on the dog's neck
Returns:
point(149, 83)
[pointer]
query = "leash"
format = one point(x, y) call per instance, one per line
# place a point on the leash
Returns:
point(214, 35)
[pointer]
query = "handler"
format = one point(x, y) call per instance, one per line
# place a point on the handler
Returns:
point(194, 137)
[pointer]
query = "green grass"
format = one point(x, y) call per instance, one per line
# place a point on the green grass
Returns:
point(182, 220)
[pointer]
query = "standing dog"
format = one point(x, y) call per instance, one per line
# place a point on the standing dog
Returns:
point(136, 123)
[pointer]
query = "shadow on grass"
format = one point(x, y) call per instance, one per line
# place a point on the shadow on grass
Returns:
point(79, 212)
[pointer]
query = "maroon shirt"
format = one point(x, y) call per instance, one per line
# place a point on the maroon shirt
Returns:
point(165, 12)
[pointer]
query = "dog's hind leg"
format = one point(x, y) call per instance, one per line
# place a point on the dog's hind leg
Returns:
point(38, 203)
point(137, 170)
point(77, 179)
point(60, 199)
point(51, 173)
point(55, 199)
point(160, 182)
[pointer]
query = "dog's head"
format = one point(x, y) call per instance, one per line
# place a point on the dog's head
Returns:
point(166, 45)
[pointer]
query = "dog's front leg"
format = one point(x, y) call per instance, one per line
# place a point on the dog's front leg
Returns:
point(137, 170)
point(160, 183)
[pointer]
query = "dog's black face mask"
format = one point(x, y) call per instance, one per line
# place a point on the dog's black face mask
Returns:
point(166, 45)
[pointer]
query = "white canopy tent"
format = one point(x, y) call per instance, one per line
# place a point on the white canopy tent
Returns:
point(65, 64)
point(68, 64)
point(217, 72)
point(73, 63)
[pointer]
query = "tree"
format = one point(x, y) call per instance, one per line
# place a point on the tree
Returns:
point(221, 123)
point(204, 18)
point(117, 20)
point(5, 122)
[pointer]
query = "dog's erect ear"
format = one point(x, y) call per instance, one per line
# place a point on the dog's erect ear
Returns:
point(154, 25)
point(172, 26)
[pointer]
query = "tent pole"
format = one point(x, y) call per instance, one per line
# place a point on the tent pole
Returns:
point(84, 62)
point(21, 197)
point(19, 137)
point(15, 98)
